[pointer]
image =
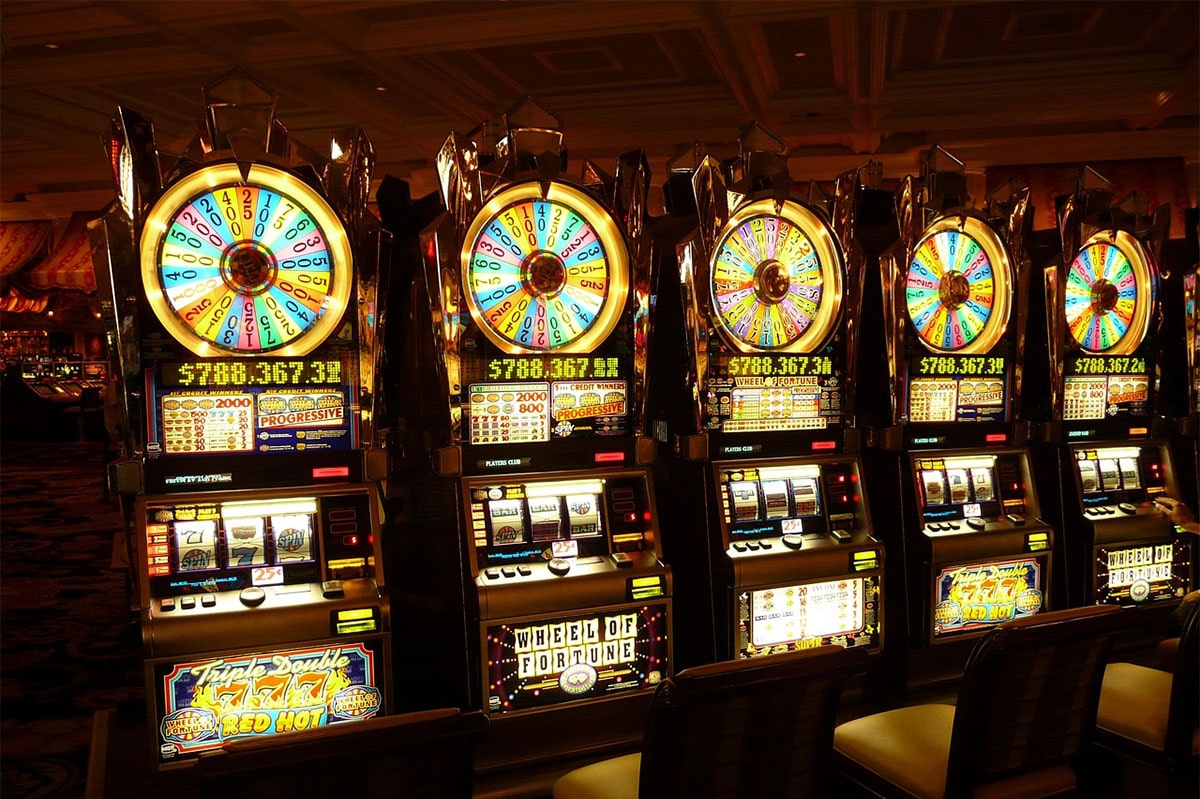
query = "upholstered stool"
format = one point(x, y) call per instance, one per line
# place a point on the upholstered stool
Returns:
point(1026, 709)
point(616, 778)
point(907, 747)
point(757, 729)
point(1153, 714)
point(1134, 703)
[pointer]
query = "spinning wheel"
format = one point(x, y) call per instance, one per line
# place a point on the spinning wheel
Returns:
point(959, 286)
point(776, 279)
point(1109, 294)
point(545, 273)
point(245, 266)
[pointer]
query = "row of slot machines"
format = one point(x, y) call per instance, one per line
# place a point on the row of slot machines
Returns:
point(526, 447)
point(62, 378)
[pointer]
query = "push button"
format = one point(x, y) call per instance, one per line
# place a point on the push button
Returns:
point(252, 596)
point(509, 571)
point(524, 571)
point(793, 541)
point(559, 566)
point(187, 602)
point(976, 523)
point(491, 574)
point(208, 601)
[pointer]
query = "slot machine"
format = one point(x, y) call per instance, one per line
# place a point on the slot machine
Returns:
point(238, 284)
point(768, 310)
point(540, 475)
point(1106, 347)
point(1189, 425)
point(68, 370)
point(956, 296)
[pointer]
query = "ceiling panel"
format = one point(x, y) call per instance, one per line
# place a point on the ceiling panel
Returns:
point(1003, 82)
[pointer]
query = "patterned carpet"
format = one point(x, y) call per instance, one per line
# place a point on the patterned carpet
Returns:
point(69, 640)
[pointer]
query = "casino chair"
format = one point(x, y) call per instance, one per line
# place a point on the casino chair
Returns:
point(1024, 719)
point(422, 755)
point(1154, 715)
point(757, 729)
point(87, 413)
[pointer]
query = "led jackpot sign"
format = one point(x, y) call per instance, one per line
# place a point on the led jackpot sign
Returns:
point(564, 367)
point(251, 372)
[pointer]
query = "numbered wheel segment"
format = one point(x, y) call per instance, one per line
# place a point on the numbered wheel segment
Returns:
point(776, 279)
point(545, 273)
point(958, 288)
point(246, 266)
point(1109, 294)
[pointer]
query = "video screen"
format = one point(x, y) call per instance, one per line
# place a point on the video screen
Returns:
point(549, 661)
point(976, 596)
point(790, 617)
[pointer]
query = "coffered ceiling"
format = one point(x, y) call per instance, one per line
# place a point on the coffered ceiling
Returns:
point(993, 83)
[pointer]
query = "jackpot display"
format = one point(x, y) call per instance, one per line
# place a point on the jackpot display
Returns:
point(242, 294)
point(1106, 349)
point(956, 301)
point(761, 414)
point(534, 323)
